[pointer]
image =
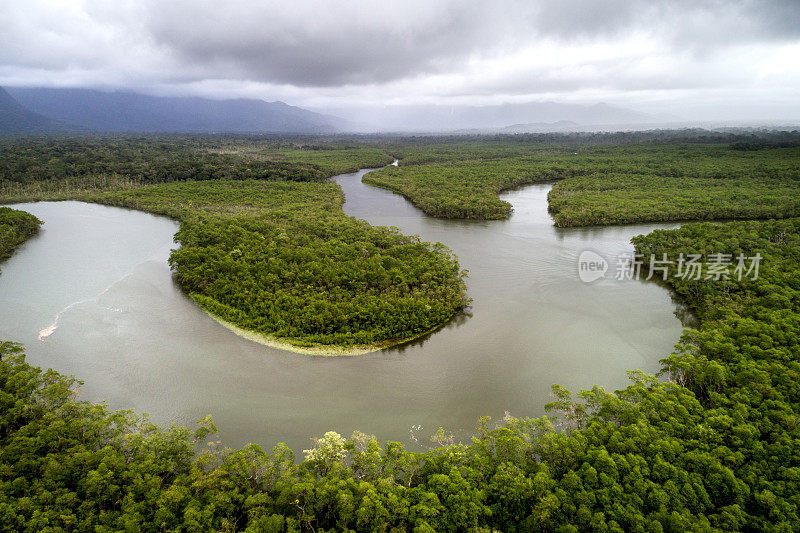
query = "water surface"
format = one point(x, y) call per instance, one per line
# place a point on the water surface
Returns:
point(126, 330)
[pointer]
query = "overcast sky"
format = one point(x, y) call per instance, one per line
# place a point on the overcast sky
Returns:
point(697, 59)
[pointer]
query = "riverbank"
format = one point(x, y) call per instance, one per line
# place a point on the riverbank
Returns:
point(16, 227)
point(724, 423)
point(290, 345)
point(715, 447)
point(458, 189)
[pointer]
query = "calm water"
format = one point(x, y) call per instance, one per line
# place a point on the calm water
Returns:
point(125, 329)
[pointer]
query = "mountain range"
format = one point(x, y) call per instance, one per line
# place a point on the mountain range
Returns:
point(47, 110)
point(14, 118)
point(127, 112)
point(548, 116)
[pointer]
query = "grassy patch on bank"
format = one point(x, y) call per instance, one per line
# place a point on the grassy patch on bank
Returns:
point(332, 159)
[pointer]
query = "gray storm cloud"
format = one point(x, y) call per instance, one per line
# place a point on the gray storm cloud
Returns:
point(329, 44)
point(322, 44)
point(307, 50)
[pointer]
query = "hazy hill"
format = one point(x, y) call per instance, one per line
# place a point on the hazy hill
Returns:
point(101, 111)
point(14, 118)
point(30, 110)
point(536, 127)
point(538, 115)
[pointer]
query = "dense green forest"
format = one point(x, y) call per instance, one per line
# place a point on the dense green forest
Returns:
point(613, 178)
point(465, 189)
point(45, 168)
point(15, 228)
point(717, 448)
point(680, 183)
point(58, 168)
point(606, 184)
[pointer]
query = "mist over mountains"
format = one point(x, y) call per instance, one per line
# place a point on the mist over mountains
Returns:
point(128, 112)
point(44, 110)
point(14, 118)
point(551, 116)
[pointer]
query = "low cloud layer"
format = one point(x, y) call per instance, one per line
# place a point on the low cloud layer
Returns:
point(655, 54)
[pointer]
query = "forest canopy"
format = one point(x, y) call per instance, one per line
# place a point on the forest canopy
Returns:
point(264, 244)
point(58, 168)
point(598, 185)
point(711, 444)
point(716, 448)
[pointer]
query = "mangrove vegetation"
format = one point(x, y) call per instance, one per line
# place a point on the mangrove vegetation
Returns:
point(602, 184)
point(279, 258)
point(15, 228)
point(711, 444)
point(715, 448)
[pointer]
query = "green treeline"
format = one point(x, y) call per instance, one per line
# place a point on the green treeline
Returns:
point(48, 168)
point(602, 178)
point(716, 449)
point(602, 184)
point(15, 228)
point(58, 168)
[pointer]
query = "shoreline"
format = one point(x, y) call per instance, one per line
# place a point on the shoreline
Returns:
point(323, 350)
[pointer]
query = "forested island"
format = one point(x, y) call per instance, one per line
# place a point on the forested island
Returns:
point(712, 444)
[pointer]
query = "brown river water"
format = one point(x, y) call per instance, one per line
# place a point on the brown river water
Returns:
point(96, 286)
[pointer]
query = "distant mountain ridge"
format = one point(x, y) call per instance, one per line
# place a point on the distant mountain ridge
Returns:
point(536, 127)
point(44, 110)
point(550, 116)
point(14, 118)
point(128, 112)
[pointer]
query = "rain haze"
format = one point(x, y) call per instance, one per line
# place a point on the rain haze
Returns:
point(664, 61)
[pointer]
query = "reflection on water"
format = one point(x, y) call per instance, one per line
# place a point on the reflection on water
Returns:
point(138, 342)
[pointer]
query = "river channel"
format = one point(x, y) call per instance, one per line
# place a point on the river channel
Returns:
point(92, 296)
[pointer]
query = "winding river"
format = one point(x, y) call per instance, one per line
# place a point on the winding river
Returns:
point(96, 287)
